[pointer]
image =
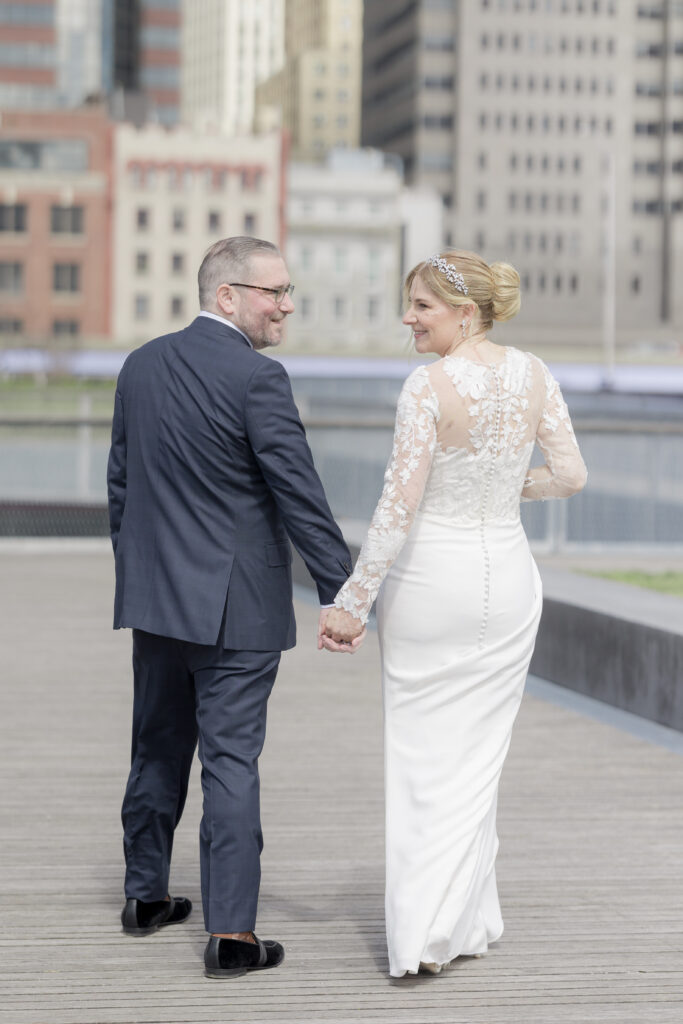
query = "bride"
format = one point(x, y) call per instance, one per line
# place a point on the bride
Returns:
point(461, 599)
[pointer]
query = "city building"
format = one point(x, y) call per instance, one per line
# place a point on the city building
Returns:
point(318, 92)
point(51, 53)
point(62, 53)
point(177, 192)
point(28, 55)
point(55, 225)
point(353, 231)
point(228, 47)
point(80, 50)
point(142, 41)
point(553, 133)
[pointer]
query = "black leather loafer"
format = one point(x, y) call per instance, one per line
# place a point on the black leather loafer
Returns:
point(228, 958)
point(138, 918)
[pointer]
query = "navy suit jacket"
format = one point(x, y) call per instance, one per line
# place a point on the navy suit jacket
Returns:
point(209, 472)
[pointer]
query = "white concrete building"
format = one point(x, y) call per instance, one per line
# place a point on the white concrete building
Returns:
point(351, 234)
point(228, 48)
point(553, 130)
point(79, 49)
point(176, 193)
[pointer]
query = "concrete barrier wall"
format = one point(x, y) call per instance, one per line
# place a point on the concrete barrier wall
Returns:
point(619, 644)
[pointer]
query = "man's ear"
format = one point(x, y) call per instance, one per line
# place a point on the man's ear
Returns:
point(225, 299)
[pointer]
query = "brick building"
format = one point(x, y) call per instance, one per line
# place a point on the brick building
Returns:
point(55, 225)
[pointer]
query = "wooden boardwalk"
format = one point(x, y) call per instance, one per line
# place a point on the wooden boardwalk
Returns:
point(591, 828)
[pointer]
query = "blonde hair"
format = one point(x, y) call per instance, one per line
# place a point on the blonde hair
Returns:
point(494, 289)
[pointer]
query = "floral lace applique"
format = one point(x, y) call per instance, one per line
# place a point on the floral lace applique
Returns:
point(404, 482)
point(463, 441)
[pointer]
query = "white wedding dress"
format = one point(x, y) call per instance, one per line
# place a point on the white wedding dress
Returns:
point(457, 616)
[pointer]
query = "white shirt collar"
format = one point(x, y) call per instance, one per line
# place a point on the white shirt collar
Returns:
point(223, 320)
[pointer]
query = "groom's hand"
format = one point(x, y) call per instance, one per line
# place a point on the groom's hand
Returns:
point(339, 631)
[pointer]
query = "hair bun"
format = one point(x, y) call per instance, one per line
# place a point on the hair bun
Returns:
point(506, 294)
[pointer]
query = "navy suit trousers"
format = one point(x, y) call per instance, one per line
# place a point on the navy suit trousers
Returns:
point(185, 693)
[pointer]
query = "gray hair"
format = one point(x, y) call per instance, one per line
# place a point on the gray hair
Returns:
point(229, 260)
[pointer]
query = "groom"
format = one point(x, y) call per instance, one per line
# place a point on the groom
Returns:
point(209, 473)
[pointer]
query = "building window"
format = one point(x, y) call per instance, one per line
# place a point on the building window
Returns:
point(11, 277)
point(250, 223)
point(66, 277)
point(142, 218)
point(66, 220)
point(305, 307)
point(10, 328)
point(339, 307)
point(340, 262)
point(141, 262)
point(178, 219)
point(12, 217)
point(374, 307)
point(177, 306)
point(65, 328)
point(481, 200)
point(141, 307)
point(214, 220)
point(177, 263)
point(374, 264)
point(635, 285)
point(306, 257)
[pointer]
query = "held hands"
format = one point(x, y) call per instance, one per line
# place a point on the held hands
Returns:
point(339, 631)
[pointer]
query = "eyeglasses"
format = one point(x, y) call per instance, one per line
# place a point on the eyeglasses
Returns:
point(277, 293)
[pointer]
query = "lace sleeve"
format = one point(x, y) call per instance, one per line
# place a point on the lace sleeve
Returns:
point(404, 483)
point(564, 472)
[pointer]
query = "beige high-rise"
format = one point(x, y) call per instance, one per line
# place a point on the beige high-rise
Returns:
point(228, 47)
point(553, 130)
point(318, 91)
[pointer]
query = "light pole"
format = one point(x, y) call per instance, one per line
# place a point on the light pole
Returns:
point(608, 177)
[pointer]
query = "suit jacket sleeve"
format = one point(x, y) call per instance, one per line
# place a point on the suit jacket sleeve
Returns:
point(116, 470)
point(279, 443)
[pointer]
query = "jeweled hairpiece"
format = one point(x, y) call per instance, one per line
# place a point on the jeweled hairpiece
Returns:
point(449, 271)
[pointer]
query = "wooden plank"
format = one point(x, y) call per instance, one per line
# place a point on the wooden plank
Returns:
point(589, 868)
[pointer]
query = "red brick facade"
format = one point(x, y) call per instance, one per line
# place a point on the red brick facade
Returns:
point(62, 288)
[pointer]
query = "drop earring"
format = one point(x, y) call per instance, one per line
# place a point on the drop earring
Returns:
point(464, 327)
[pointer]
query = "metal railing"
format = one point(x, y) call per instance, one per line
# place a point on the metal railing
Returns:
point(53, 479)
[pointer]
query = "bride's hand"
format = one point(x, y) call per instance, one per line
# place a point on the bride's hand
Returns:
point(340, 632)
